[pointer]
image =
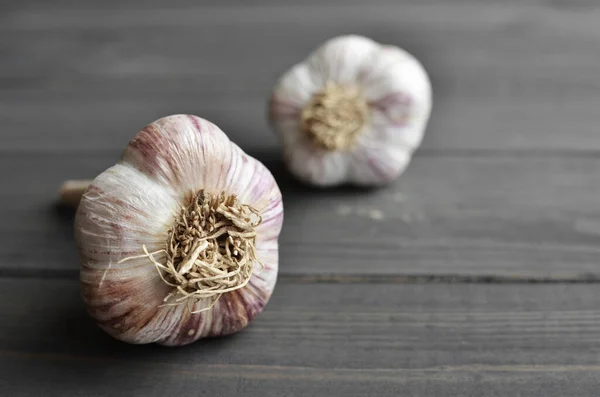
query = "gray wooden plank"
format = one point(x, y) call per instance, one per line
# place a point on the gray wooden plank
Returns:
point(517, 75)
point(41, 5)
point(81, 377)
point(510, 216)
point(461, 339)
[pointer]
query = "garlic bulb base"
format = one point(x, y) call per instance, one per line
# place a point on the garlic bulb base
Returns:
point(210, 250)
point(335, 116)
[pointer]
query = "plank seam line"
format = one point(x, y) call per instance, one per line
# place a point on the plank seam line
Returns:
point(274, 155)
point(335, 278)
point(220, 370)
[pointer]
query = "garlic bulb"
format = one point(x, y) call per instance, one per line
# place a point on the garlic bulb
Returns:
point(178, 240)
point(353, 112)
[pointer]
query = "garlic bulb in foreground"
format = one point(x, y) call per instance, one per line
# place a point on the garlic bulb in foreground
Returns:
point(178, 240)
point(353, 112)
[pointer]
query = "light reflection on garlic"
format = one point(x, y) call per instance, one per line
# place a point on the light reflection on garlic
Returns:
point(178, 240)
point(353, 112)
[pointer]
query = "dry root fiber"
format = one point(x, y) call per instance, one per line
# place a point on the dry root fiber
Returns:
point(211, 249)
point(335, 117)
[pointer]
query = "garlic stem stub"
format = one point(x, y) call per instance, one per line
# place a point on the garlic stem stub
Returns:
point(178, 240)
point(71, 191)
point(353, 112)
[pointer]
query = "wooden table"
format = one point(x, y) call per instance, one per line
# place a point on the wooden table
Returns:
point(474, 275)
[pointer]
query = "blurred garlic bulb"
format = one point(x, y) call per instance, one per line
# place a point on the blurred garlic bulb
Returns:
point(353, 112)
point(178, 240)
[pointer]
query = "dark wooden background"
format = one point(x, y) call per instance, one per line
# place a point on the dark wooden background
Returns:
point(474, 275)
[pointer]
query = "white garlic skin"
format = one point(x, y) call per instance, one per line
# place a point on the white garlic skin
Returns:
point(136, 201)
point(398, 94)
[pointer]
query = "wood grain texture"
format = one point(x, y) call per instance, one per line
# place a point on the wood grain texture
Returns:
point(505, 188)
point(479, 340)
point(512, 216)
point(521, 76)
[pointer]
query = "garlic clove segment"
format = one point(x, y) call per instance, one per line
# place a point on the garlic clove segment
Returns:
point(178, 240)
point(353, 112)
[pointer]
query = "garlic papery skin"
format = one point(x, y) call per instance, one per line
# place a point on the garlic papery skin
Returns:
point(352, 113)
point(178, 240)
